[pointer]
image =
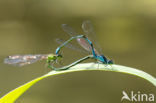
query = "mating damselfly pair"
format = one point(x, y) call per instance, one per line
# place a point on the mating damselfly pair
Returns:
point(82, 39)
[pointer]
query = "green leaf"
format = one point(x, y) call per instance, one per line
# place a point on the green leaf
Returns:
point(16, 93)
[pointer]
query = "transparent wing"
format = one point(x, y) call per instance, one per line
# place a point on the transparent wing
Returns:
point(21, 60)
point(88, 29)
point(69, 30)
point(72, 33)
point(71, 46)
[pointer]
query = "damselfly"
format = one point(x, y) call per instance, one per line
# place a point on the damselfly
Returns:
point(21, 60)
point(83, 41)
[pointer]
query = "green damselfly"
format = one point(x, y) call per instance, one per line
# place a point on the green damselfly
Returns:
point(22, 60)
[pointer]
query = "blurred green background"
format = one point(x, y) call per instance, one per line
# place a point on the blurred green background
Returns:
point(126, 31)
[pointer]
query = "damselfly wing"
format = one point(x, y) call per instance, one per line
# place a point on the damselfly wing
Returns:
point(88, 30)
point(21, 60)
point(71, 46)
point(69, 30)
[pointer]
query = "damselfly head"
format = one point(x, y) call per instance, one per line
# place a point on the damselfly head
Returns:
point(52, 58)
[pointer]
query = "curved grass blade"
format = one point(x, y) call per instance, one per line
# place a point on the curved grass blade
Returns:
point(16, 93)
